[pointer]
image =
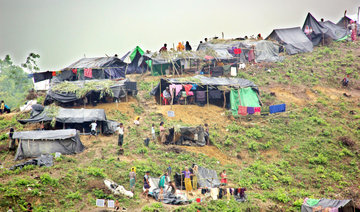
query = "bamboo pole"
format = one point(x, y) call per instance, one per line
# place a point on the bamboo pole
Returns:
point(224, 100)
point(160, 93)
point(207, 94)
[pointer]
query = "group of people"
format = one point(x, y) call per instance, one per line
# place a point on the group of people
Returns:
point(180, 47)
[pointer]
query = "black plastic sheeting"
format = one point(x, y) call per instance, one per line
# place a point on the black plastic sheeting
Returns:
point(318, 31)
point(138, 65)
point(203, 81)
point(43, 160)
point(36, 143)
point(206, 178)
point(293, 39)
point(191, 136)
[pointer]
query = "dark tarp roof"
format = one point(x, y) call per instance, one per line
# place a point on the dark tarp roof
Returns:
point(36, 143)
point(294, 40)
point(69, 116)
point(335, 32)
point(192, 136)
point(343, 22)
point(318, 31)
point(138, 60)
point(118, 90)
point(328, 203)
point(202, 80)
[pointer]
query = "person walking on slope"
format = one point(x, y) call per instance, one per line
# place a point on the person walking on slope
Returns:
point(146, 184)
point(132, 176)
point(93, 126)
point(162, 186)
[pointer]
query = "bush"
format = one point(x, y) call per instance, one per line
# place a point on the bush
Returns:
point(320, 159)
point(254, 133)
point(73, 196)
point(96, 172)
point(47, 180)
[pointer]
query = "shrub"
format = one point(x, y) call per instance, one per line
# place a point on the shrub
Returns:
point(254, 133)
point(97, 172)
point(73, 196)
point(320, 159)
point(253, 146)
point(47, 180)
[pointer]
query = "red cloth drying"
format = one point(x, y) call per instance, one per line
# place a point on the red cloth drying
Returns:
point(187, 89)
point(242, 110)
point(257, 109)
point(88, 72)
point(237, 51)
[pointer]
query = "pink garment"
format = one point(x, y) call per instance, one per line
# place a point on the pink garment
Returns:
point(257, 109)
point(88, 72)
point(251, 55)
point(191, 93)
point(176, 87)
point(242, 110)
point(353, 34)
point(187, 89)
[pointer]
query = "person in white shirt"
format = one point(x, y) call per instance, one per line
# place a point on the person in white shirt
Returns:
point(137, 121)
point(153, 131)
point(120, 131)
point(93, 126)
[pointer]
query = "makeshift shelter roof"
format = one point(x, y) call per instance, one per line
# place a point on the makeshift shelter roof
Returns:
point(138, 62)
point(294, 40)
point(64, 115)
point(322, 204)
point(71, 91)
point(211, 81)
point(265, 51)
point(45, 134)
point(318, 31)
point(335, 32)
point(97, 62)
point(344, 21)
point(36, 143)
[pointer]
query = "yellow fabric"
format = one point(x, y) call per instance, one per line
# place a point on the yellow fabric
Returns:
point(134, 169)
point(188, 184)
point(194, 182)
point(180, 47)
point(2, 106)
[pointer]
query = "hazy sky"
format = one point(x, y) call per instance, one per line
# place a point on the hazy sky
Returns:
point(62, 31)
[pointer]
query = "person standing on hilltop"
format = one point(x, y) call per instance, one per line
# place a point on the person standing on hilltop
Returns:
point(164, 48)
point(187, 46)
point(180, 47)
point(2, 107)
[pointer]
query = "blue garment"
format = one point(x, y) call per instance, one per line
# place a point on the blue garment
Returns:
point(277, 108)
point(194, 87)
point(7, 107)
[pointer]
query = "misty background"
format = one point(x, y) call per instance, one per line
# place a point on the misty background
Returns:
point(63, 31)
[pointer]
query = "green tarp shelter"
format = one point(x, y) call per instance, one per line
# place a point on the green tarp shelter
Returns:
point(244, 97)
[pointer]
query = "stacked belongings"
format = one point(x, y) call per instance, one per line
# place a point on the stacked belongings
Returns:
point(191, 136)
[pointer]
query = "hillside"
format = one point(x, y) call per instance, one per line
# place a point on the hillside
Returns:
point(312, 150)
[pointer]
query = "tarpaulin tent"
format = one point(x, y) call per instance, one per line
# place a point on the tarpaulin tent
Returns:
point(36, 143)
point(118, 90)
point(318, 32)
point(265, 51)
point(101, 68)
point(345, 21)
point(311, 205)
point(75, 118)
point(191, 136)
point(335, 32)
point(138, 62)
point(293, 39)
point(206, 178)
point(169, 197)
point(244, 97)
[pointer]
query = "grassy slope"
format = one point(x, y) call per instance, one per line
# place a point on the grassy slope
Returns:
point(281, 158)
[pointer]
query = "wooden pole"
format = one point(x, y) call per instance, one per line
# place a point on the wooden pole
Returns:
point(224, 100)
point(207, 94)
point(160, 92)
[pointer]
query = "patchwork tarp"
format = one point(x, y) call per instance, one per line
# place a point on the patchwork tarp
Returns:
point(118, 90)
point(318, 31)
point(334, 31)
point(244, 97)
point(192, 136)
point(265, 51)
point(169, 198)
point(327, 205)
point(293, 39)
point(102, 68)
point(36, 143)
point(138, 62)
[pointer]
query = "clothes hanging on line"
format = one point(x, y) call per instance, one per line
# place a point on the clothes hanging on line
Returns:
point(88, 72)
point(250, 110)
point(277, 108)
point(242, 110)
point(187, 89)
point(257, 109)
point(177, 89)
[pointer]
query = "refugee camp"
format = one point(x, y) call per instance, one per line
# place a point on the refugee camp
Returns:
point(159, 106)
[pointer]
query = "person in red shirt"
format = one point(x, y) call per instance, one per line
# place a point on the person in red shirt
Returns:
point(223, 177)
point(164, 48)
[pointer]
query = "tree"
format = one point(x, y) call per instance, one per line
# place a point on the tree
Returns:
point(14, 81)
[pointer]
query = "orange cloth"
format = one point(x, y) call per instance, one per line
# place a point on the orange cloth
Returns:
point(180, 47)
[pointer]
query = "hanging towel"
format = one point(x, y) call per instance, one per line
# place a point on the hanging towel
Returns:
point(176, 87)
point(187, 88)
point(74, 70)
point(277, 108)
point(88, 72)
point(250, 110)
point(242, 110)
point(200, 96)
point(257, 109)
point(53, 73)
